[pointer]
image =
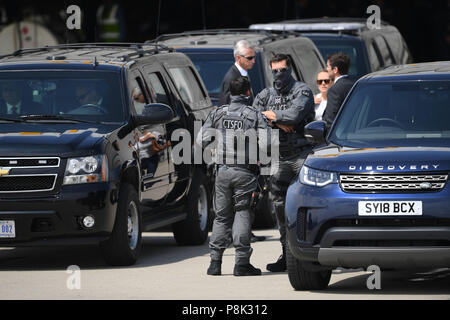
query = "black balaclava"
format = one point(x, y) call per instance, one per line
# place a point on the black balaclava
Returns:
point(282, 81)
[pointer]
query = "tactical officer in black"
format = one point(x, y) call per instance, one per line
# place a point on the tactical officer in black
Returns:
point(236, 177)
point(288, 105)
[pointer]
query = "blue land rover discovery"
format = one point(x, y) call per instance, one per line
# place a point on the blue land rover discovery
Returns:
point(375, 190)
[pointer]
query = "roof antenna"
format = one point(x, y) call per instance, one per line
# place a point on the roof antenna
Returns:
point(157, 20)
point(203, 14)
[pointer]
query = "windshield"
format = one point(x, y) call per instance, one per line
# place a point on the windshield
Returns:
point(352, 48)
point(213, 67)
point(86, 96)
point(395, 114)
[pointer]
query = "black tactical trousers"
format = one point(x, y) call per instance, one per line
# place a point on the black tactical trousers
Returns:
point(288, 169)
point(234, 188)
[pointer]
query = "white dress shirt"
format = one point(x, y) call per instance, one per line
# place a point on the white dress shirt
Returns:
point(10, 106)
point(243, 72)
point(320, 108)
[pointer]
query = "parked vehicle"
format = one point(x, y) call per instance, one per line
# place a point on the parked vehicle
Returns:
point(376, 191)
point(87, 158)
point(369, 50)
point(211, 51)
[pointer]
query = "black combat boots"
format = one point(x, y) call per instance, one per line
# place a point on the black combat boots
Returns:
point(215, 268)
point(280, 265)
point(246, 270)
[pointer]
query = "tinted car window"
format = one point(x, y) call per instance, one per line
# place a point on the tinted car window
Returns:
point(374, 58)
point(187, 86)
point(311, 66)
point(395, 114)
point(212, 67)
point(353, 49)
point(93, 96)
point(384, 51)
point(157, 89)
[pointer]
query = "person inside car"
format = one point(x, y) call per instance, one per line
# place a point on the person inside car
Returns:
point(13, 100)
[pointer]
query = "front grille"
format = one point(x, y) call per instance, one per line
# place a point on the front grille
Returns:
point(29, 183)
point(29, 162)
point(377, 183)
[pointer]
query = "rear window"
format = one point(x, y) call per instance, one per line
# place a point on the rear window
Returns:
point(395, 114)
point(93, 96)
point(354, 49)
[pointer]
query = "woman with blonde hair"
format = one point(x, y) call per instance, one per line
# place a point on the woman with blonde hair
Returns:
point(324, 83)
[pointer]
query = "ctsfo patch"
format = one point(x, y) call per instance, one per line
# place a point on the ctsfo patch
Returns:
point(232, 124)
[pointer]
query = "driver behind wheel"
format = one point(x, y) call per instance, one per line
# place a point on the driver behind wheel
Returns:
point(88, 94)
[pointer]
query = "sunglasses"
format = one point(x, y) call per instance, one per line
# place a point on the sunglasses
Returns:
point(249, 58)
point(326, 81)
point(274, 71)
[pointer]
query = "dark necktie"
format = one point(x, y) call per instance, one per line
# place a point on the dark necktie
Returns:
point(14, 110)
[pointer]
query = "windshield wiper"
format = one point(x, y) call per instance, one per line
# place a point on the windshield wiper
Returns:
point(11, 119)
point(52, 117)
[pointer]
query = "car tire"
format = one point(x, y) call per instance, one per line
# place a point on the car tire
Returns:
point(301, 279)
point(124, 245)
point(264, 214)
point(194, 229)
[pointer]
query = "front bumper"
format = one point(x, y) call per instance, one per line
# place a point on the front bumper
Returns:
point(324, 229)
point(55, 219)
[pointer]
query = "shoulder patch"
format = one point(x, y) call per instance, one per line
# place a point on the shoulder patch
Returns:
point(306, 93)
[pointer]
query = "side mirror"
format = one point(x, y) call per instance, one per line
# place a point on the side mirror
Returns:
point(155, 113)
point(315, 132)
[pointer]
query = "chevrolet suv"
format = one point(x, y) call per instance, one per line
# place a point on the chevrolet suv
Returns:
point(375, 191)
point(86, 147)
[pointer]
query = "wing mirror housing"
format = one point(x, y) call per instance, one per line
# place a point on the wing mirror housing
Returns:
point(315, 132)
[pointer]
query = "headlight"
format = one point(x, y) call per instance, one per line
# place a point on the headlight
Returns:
point(316, 178)
point(86, 170)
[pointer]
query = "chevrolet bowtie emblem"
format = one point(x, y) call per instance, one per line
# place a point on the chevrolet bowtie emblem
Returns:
point(4, 172)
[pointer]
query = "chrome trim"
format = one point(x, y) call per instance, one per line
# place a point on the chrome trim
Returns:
point(32, 158)
point(31, 175)
point(379, 182)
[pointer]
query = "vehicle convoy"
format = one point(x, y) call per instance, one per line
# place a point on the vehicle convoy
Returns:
point(369, 49)
point(375, 191)
point(211, 51)
point(86, 147)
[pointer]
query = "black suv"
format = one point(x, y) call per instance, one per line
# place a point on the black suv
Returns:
point(369, 49)
point(86, 150)
point(211, 51)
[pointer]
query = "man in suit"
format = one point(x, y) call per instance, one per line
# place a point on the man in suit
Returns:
point(244, 55)
point(338, 65)
point(14, 100)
